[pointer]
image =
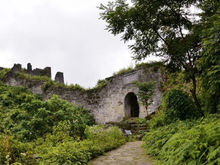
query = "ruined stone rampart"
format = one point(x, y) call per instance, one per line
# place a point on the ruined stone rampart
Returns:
point(36, 72)
point(110, 103)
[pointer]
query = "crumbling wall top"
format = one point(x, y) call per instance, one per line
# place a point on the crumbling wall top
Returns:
point(59, 77)
point(16, 68)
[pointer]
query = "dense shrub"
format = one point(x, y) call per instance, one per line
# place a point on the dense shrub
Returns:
point(178, 105)
point(186, 142)
point(158, 120)
point(27, 117)
point(13, 150)
point(3, 72)
point(156, 138)
point(54, 131)
point(58, 149)
point(101, 137)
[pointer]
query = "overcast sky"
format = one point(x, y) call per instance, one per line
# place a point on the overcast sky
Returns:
point(64, 34)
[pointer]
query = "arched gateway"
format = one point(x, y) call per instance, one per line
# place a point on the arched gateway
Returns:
point(131, 106)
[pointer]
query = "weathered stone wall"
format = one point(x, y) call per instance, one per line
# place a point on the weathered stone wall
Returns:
point(107, 104)
point(59, 77)
point(37, 71)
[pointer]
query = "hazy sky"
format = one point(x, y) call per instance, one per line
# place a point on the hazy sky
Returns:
point(64, 34)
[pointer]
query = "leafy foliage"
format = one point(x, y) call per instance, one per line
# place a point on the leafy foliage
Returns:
point(64, 150)
point(162, 28)
point(3, 72)
point(186, 142)
point(59, 147)
point(27, 117)
point(210, 60)
point(145, 92)
point(54, 131)
point(158, 120)
point(178, 105)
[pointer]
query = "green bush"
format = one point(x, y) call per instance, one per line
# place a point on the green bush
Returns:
point(58, 149)
point(156, 138)
point(36, 118)
point(27, 117)
point(12, 150)
point(178, 105)
point(54, 130)
point(186, 142)
point(33, 131)
point(101, 136)
point(3, 72)
point(158, 120)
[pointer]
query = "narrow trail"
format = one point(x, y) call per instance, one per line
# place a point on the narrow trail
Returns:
point(129, 154)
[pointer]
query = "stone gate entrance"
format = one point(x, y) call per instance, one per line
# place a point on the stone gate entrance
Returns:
point(131, 106)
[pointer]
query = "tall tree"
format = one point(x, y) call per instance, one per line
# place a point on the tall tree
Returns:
point(209, 64)
point(165, 28)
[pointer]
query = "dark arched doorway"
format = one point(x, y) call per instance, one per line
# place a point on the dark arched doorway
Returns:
point(131, 105)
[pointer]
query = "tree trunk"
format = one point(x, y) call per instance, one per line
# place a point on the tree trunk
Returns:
point(193, 91)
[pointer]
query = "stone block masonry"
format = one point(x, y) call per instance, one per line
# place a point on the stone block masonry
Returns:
point(110, 103)
point(59, 77)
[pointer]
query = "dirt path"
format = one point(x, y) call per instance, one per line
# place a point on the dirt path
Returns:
point(129, 154)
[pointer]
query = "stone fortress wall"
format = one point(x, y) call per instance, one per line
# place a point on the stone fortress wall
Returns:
point(110, 103)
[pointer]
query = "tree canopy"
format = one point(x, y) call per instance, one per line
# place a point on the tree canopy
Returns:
point(167, 28)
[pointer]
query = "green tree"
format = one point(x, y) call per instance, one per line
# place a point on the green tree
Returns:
point(146, 92)
point(164, 28)
point(210, 60)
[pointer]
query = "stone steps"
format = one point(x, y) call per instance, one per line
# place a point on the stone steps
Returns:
point(134, 125)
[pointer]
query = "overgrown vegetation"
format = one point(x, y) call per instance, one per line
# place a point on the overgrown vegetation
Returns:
point(52, 132)
point(179, 135)
point(154, 66)
point(185, 130)
point(3, 72)
point(48, 83)
point(190, 45)
point(122, 71)
point(186, 142)
point(188, 40)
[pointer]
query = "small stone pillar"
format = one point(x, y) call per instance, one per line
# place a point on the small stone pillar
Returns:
point(59, 77)
point(47, 72)
point(29, 67)
point(16, 68)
